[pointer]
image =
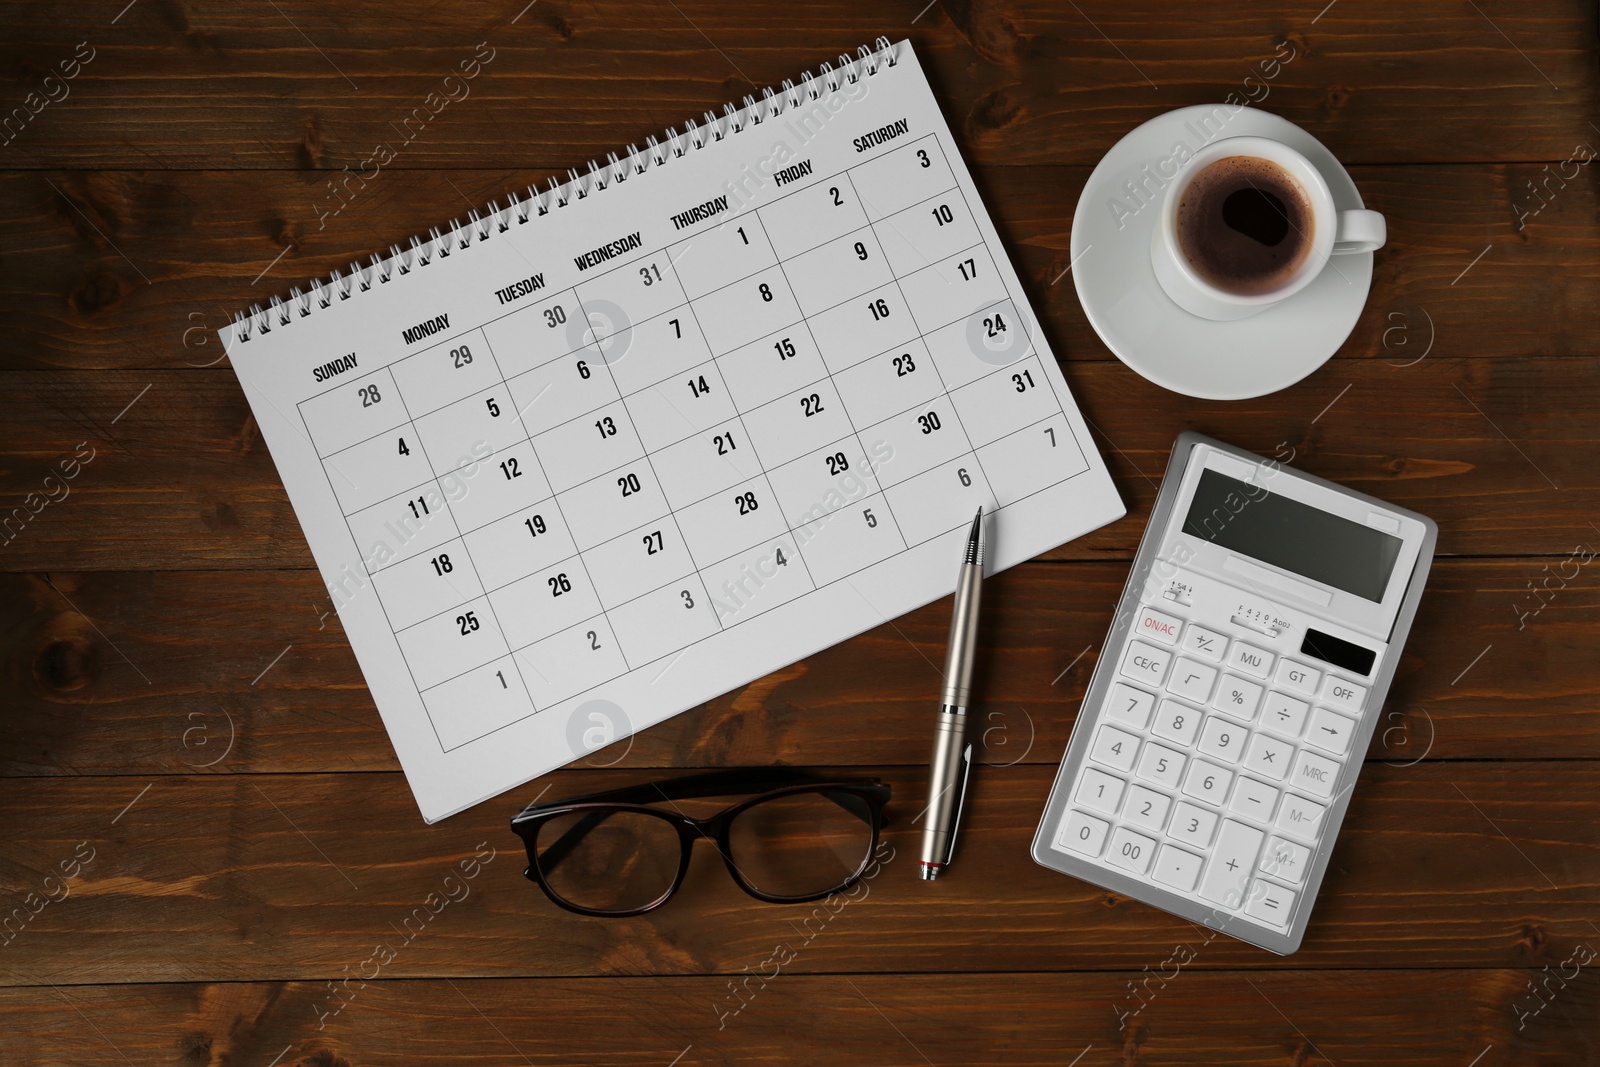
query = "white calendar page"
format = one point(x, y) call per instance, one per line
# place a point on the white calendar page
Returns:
point(597, 468)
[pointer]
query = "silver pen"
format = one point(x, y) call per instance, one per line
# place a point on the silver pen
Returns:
point(952, 755)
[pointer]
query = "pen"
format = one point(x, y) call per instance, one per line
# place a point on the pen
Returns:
point(952, 755)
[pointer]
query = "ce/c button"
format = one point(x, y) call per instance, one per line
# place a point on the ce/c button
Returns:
point(1145, 663)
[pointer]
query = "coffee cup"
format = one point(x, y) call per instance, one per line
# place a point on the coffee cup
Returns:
point(1248, 223)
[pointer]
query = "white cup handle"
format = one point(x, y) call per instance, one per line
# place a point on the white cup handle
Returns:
point(1359, 231)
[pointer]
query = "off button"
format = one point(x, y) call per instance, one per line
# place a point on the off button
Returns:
point(1145, 663)
point(1158, 626)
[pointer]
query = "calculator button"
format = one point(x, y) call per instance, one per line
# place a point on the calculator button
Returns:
point(1269, 757)
point(1300, 817)
point(1271, 903)
point(1192, 679)
point(1207, 783)
point(1130, 850)
point(1253, 799)
point(1161, 765)
point(1100, 791)
point(1158, 626)
point(1193, 825)
point(1342, 694)
point(1145, 663)
point(1286, 860)
point(1298, 677)
point(1176, 868)
point(1177, 722)
point(1284, 715)
point(1222, 739)
point(1147, 808)
point(1315, 774)
point(1251, 660)
point(1084, 833)
point(1129, 705)
point(1114, 748)
point(1237, 697)
point(1234, 858)
point(1330, 732)
point(1203, 642)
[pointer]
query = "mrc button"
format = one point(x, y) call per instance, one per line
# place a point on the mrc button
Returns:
point(1315, 775)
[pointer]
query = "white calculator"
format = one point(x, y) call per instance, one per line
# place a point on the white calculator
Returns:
point(1237, 691)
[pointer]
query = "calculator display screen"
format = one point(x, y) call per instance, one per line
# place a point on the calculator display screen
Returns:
point(1310, 542)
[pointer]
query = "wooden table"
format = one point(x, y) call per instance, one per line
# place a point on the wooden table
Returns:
point(205, 831)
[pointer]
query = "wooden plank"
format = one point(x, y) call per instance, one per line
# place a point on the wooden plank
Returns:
point(212, 878)
point(124, 673)
point(1312, 1018)
point(201, 246)
point(1497, 452)
point(1027, 82)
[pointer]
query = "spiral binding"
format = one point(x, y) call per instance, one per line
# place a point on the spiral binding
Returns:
point(421, 251)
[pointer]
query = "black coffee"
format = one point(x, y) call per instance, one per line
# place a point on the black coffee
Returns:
point(1245, 225)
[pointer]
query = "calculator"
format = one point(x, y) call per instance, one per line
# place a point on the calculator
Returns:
point(1246, 667)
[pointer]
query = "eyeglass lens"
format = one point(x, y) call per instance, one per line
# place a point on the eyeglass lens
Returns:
point(611, 860)
point(801, 844)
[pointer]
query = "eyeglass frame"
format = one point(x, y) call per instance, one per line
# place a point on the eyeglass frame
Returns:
point(761, 785)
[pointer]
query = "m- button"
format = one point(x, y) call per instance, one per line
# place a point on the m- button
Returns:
point(1145, 663)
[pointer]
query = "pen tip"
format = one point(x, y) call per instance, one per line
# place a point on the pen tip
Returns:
point(975, 539)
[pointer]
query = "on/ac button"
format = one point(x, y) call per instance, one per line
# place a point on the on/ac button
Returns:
point(1158, 626)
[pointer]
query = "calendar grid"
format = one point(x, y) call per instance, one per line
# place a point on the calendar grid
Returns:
point(511, 653)
point(854, 431)
point(623, 264)
point(410, 672)
point(650, 462)
point(766, 476)
point(555, 499)
point(922, 335)
point(780, 266)
point(834, 581)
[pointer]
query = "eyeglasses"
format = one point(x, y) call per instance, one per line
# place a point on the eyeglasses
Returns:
point(801, 838)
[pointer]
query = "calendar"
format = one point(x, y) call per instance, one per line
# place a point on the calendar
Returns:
point(608, 449)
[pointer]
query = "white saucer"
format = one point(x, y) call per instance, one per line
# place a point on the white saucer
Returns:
point(1139, 322)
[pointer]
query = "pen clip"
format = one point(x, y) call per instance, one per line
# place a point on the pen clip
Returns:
point(961, 804)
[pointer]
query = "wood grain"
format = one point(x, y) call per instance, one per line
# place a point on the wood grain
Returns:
point(223, 877)
point(167, 673)
point(138, 269)
point(1410, 1017)
point(178, 703)
point(1499, 453)
point(304, 86)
